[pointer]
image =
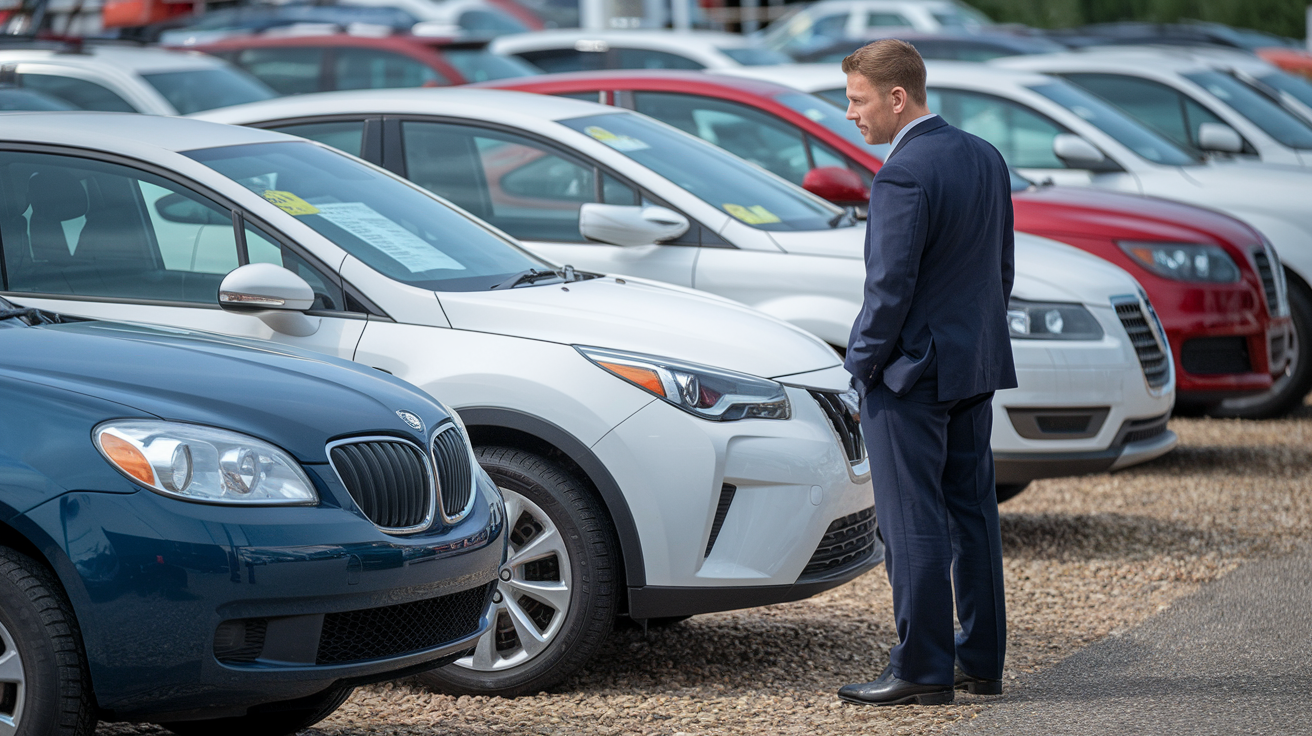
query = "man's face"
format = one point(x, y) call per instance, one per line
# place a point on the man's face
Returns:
point(874, 113)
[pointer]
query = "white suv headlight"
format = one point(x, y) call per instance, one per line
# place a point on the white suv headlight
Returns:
point(204, 464)
point(710, 393)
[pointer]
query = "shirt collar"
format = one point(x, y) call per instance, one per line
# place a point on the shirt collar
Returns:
point(906, 129)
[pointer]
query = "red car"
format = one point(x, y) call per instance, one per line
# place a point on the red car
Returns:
point(294, 65)
point(1226, 342)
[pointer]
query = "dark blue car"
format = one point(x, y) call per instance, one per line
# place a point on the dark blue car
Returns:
point(223, 536)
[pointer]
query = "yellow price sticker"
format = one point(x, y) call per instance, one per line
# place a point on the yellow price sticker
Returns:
point(754, 215)
point(290, 203)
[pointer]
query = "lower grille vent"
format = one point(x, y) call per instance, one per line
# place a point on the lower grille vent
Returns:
point(727, 492)
point(847, 542)
point(1215, 356)
point(388, 479)
point(1152, 355)
point(1138, 430)
point(455, 476)
point(377, 633)
point(240, 640)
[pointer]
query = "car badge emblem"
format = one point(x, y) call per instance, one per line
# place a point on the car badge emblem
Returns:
point(413, 420)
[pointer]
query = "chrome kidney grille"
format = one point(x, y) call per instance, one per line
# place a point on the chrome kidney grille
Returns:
point(390, 480)
point(455, 472)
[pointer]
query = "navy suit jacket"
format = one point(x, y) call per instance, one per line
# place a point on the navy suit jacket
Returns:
point(940, 262)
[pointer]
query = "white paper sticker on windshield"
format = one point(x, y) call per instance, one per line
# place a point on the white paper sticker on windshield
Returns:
point(364, 222)
point(618, 142)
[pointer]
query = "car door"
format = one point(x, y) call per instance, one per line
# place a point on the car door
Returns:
point(1023, 136)
point(533, 190)
point(99, 239)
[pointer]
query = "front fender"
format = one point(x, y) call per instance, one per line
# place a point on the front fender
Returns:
point(827, 317)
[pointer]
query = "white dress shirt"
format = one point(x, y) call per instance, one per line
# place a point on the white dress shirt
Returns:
point(906, 128)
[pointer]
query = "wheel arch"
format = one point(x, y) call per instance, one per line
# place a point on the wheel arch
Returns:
point(494, 425)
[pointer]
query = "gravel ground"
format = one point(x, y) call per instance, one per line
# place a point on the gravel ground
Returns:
point(1084, 558)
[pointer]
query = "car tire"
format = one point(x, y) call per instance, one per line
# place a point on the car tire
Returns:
point(1292, 388)
point(273, 719)
point(535, 642)
point(44, 681)
point(1008, 491)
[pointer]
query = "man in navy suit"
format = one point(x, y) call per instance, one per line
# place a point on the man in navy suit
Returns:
point(928, 350)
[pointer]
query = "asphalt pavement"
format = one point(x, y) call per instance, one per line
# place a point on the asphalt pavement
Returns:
point(1233, 658)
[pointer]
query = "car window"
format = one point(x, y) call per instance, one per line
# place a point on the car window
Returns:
point(289, 71)
point(837, 96)
point(195, 90)
point(79, 93)
point(821, 110)
point(345, 135)
point(89, 228)
point(1129, 133)
point(481, 65)
point(1297, 87)
point(1023, 137)
point(565, 60)
point(715, 176)
point(523, 187)
point(973, 51)
point(763, 139)
point(805, 32)
point(878, 19)
point(756, 56)
point(1274, 120)
point(391, 226)
point(23, 99)
point(1165, 110)
point(486, 23)
point(649, 59)
point(373, 69)
point(822, 155)
point(263, 248)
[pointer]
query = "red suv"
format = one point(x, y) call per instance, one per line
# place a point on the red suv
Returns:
point(294, 65)
point(1206, 273)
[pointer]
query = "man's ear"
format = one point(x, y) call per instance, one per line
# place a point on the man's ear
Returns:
point(899, 95)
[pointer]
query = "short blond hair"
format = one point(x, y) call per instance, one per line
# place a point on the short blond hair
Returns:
point(889, 63)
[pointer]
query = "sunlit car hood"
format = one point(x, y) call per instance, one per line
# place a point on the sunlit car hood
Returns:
point(1050, 271)
point(294, 399)
point(646, 317)
point(1243, 187)
point(1045, 269)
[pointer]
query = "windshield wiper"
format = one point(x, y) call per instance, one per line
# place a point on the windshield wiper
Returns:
point(845, 218)
point(530, 276)
point(33, 315)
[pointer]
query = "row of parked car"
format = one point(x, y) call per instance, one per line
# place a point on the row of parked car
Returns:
point(630, 302)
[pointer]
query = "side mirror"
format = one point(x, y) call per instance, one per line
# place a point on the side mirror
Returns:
point(1218, 137)
point(177, 208)
point(1076, 151)
point(836, 184)
point(272, 293)
point(629, 225)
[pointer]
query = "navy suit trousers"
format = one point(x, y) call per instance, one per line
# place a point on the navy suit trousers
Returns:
point(932, 470)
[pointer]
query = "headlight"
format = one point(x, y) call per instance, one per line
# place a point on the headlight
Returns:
point(197, 463)
point(710, 393)
point(1180, 262)
point(1051, 321)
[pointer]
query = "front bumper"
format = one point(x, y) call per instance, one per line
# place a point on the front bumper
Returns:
point(158, 583)
point(730, 514)
point(1222, 361)
point(1080, 407)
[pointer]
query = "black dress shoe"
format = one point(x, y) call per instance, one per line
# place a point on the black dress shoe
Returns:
point(975, 685)
point(889, 690)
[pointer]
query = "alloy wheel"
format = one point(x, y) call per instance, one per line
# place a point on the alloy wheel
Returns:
point(13, 684)
point(533, 592)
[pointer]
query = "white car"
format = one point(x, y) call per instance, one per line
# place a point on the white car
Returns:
point(662, 452)
point(1184, 98)
point(815, 25)
point(573, 49)
point(476, 18)
point(114, 78)
point(609, 190)
point(1048, 129)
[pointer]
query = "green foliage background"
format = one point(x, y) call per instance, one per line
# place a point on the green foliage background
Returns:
point(1282, 17)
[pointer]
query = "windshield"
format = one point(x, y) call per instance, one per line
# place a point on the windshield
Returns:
point(1127, 132)
point(481, 65)
point(712, 174)
point(393, 227)
point(822, 111)
point(21, 99)
point(757, 56)
point(1291, 89)
point(1274, 120)
point(205, 89)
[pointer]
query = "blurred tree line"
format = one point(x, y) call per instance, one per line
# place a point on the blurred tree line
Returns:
point(1282, 17)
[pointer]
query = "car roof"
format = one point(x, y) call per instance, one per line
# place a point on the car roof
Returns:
point(814, 77)
point(139, 136)
point(454, 101)
point(610, 77)
point(139, 59)
point(320, 39)
point(566, 37)
point(1130, 58)
point(829, 5)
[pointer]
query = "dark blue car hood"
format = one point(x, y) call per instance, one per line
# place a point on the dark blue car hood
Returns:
point(295, 399)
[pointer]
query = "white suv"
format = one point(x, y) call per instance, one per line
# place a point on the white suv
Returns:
point(662, 452)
